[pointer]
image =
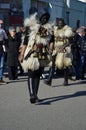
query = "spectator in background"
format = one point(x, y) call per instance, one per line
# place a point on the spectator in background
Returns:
point(19, 35)
point(12, 53)
point(3, 39)
point(81, 49)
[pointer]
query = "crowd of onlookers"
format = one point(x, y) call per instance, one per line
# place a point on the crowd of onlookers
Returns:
point(78, 46)
point(10, 46)
point(10, 43)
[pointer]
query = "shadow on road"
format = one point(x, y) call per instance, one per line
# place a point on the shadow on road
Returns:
point(71, 84)
point(19, 80)
point(48, 101)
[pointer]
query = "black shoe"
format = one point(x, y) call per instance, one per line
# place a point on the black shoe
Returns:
point(10, 78)
point(37, 99)
point(33, 99)
point(83, 78)
point(13, 78)
point(47, 82)
point(21, 73)
point(78, 78)
point(65, 83)
point(72, 78)
point(2, 82)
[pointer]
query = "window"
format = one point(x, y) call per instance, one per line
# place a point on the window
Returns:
point(78, 23)
point(39, 4)
point(5, 6)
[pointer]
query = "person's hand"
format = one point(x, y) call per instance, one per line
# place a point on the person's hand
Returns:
point(50, 51)
point(60, 49)
point(35, 48)
point(21, 57)
point(20, 49)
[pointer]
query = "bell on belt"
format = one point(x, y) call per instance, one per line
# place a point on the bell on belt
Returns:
point(39, 56)
point(42, 57)
point(35, 54)
point(43, 50)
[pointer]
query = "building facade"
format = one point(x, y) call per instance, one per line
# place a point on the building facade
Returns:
point(77, 13)
point(73, 11)
point(11, 12)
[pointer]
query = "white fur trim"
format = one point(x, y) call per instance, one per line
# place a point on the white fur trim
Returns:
point(68, 32)
point(59, 61)
point(63, 60)
point(67, 62)
point(31, 63)
point(31, 21)
point(65, 31)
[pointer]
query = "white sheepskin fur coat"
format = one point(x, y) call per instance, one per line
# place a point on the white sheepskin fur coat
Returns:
point(63, 59)
point(33, 62)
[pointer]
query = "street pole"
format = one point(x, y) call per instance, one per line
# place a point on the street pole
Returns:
point(85, 17)
point(67, 10)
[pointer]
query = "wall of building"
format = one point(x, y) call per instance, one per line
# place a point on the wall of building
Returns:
point(55, 8)
point(59, 9)
point(72, 14)
point(7, 9)
point(77, 13)
point(26, 6)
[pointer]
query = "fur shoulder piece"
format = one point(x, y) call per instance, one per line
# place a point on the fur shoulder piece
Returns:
point(36, 34)
point(68, 31)
point(65, 31)
point(31, 21)
point(49, 27)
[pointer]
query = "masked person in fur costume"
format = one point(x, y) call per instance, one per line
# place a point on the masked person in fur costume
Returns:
point(61, 56)
point(34, 53)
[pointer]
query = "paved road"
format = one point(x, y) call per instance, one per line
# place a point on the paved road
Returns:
point(61, 108)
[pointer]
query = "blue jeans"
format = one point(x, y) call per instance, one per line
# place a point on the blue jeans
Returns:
point(83, 58)
point(1, 64)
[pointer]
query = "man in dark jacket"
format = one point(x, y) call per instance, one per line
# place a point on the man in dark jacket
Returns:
point(12, 53)
point(81, 51)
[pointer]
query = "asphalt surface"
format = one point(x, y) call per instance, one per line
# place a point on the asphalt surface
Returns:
point(60, 107)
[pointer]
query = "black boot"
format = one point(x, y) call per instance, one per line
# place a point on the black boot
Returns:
point(51, 73)
point(21, 70)
point(65, 77)
point(37, 81)
point(32, 90)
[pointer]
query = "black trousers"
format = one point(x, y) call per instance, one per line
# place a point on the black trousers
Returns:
point(20, 69)
point(33, 85)
point(33, 81)
point(51, 74)
point(12, 72)
point(66, 76)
